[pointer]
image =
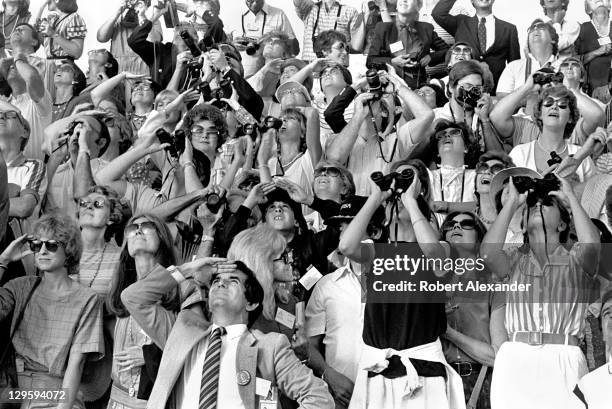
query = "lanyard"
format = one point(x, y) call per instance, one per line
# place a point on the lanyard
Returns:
point(263, 26)
point(462, 185)
point(316, 24)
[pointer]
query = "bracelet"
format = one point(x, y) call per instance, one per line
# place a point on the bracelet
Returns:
point(82, 150)
point(265, 165)
point(418, 220)
point(187, 164)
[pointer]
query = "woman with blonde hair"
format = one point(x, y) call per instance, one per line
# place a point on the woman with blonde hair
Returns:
point(262, 249)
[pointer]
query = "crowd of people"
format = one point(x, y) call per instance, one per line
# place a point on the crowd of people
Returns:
point(195, 223)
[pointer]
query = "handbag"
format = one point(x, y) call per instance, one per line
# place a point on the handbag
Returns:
point(8, 371)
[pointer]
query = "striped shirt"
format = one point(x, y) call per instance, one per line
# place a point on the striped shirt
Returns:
point(347, 23)
point(557, 299)
point(96, 268)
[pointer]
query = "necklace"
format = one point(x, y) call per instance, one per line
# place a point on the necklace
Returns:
point(484, 219)
point(3, 25)
point(97, 268)
point(541, 147)
point(292, 161)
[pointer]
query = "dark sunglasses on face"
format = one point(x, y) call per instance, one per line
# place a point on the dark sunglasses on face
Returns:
point(98, 204)
point(462, 50)
point(50, 245)
point(494, 169)
point(328, 171)
point(466, 224)
point(146, 226)
point(448, 132)
point(562, 103)
point(537, 26)
point(570, 65)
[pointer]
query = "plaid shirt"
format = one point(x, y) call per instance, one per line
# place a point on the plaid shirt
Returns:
point(71, 27)
point(348, 22)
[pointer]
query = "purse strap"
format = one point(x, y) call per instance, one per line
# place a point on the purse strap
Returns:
point(19, 318)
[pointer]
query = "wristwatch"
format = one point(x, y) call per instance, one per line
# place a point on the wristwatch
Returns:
point(208, 238)
point(176, 274)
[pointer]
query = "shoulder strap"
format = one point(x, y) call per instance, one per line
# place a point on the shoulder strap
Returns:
point(528, 68)
point(55, 24)
point(338, 17)
point(316, 23)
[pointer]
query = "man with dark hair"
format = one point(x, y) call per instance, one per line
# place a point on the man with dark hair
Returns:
point(24, 73)
point(493, 41)
point(211, 357)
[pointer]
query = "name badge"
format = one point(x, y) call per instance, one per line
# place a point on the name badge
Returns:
point(310, 278)
point(604, 40)
point(396, 47)
point(285, 318)
point(300, 316)
point(19, 365)
point(271, 400)
point(262, 387)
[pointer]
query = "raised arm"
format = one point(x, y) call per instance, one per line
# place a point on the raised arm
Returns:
point(441, 14)
point(33, 80)
point(501, 115)
point(106, 87)
point(302, 8)
point(106, 30)
point(416, 130)
point(313, 141)
point(341, 146)
point(591, 113)
point(492, 245)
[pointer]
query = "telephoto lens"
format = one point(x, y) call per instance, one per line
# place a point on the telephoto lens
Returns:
point(271, 122)
point(374, 84)
point(190, 43)
point(214, 202)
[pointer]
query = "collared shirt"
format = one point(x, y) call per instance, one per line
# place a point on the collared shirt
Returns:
point(513, 76)
point(268, 19)
point(559, 291)
point(335, 310)
point(568, 31)
point(38, 114)
point(458, 185)
point(29, 175)
point(490, 27)
point(366, 158)
point(595, 387)
point(228, 395)
point(347, 23)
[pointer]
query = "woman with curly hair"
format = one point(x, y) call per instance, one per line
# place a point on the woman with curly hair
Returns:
point(148, 244)
point(58, 309)
point(99, 213)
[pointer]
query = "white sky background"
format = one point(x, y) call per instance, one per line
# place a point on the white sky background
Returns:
point(519, 12)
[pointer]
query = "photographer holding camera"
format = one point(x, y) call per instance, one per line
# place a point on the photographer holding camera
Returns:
point(372, 140)
point(118, 29)
point(406, 44)
point(544, 324)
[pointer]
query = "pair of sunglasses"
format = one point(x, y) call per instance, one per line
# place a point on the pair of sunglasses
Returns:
point(98, 204)
point(494, 169)
point(328, 171)
point(451, 132)
point(51, 245)
point(144, 227)
point(467, 224)
point(562, 103)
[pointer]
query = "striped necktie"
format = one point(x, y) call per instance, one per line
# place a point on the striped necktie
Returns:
point(209, 386)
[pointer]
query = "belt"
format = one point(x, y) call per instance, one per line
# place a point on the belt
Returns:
point(60, 57)
point(542, 338)
point(465, 369)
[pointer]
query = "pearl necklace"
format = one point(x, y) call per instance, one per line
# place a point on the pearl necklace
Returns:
point(541, 147)
point(292, 161)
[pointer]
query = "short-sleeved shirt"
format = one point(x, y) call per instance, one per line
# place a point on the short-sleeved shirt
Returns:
point(29, 176)
point(96, 268)
point(335, 310)
point(141, 198)
point(453, 185)
point(39, 115)
point(513, 76)
point(560, 290)
point(254, 26)
point(347, 22)
point(127, 59)
point(525, 130)
point(54, 325)
point(71, 27)
point(300, 172)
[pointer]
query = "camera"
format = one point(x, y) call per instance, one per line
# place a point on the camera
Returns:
point(555, 159)
point(250, 130)
point(251, 45)
point(374, 84)
point(214, 202)
point(175, 141)
point(224, 91)
point(537, 188)
point(470, 97)
point(403, 180)
point(270, 122)
point(195, 64)
point(543, 77)
point(190, 43)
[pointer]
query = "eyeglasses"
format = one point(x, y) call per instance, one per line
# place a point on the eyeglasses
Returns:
point(570, 65)
point(64, 68)
point(493, 169)
point(286, 257)
point(9, 115)
point(562, 103)
point(341, 46)
point(290, 91)
point(98, 204)
point(198, 130)
point(50, 245)
point(466, 224)
point(470, 87)
point(274, 41)
point(425, 92)
point(461, 49)
point(328, 72)
point(142, 87)
point(327, 171)
point(145, 227)
point(450, 132)
point(537, 26)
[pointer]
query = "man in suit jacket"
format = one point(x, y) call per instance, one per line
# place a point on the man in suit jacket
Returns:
point(494, 41)
point(406, 44)
point(251, 363)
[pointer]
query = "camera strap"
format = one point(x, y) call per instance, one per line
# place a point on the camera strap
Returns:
point(528, 68)
point(263, 26)
point(316, 23)
point(379, 139)
point(462, 185)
